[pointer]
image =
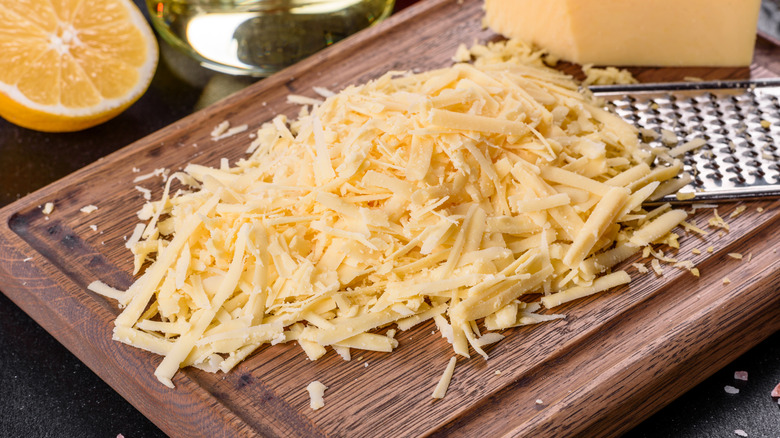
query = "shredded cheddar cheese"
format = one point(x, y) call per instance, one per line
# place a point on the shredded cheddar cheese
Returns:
point(479, 193)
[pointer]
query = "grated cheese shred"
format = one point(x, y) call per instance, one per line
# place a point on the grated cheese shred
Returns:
point(444, 381)
point(488, 190)
point(316, 392)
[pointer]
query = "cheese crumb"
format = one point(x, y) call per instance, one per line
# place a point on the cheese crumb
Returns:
point(668, 137)
point(717, 222)
point(730, 389)
point(740, 432)
point(735, 255)
point(88, 209)
point(694, 228)
point(48, 208)
point(316, 394)
point(324, 92)
point(741, 375)
point(726, 280)
point(223, 134)
point(105, 290)
point(162, 172)
point(685, 196)
point(303, 100)
point(649, 135)
point(147, 194)
point(656, 265)
point(766, 124)
point(444, 381)
point(606, 76)
point(737, 211)
point(696, 251)
point(220, 129)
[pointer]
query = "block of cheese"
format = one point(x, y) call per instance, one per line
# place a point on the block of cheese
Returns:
point(633, 32)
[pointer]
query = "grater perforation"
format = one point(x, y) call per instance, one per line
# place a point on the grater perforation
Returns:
point(739, 120)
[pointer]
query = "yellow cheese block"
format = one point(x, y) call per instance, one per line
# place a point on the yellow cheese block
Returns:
point(633, 32)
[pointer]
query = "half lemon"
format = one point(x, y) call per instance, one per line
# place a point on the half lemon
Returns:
point(67, 65)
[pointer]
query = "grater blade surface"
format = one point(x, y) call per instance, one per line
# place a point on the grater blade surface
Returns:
point(739, 120)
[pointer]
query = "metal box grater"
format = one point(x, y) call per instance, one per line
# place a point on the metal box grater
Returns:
point(740, 121)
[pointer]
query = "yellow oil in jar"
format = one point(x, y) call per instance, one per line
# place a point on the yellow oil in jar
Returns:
point(260, 37)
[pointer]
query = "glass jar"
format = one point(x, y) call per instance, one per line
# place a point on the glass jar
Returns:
point(260, 37)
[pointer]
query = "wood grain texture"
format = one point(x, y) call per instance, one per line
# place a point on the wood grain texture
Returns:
point(617, 358)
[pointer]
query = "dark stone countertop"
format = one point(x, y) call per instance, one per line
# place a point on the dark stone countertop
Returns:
point(45, 391)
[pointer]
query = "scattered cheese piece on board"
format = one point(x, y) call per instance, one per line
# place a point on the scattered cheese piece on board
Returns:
point(316, 394)
point(444, 382)
point(88, 208)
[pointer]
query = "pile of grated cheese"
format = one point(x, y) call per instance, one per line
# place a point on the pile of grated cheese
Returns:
point(477, 196)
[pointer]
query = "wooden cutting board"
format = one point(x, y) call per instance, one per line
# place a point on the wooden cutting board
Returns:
point(617, 357)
